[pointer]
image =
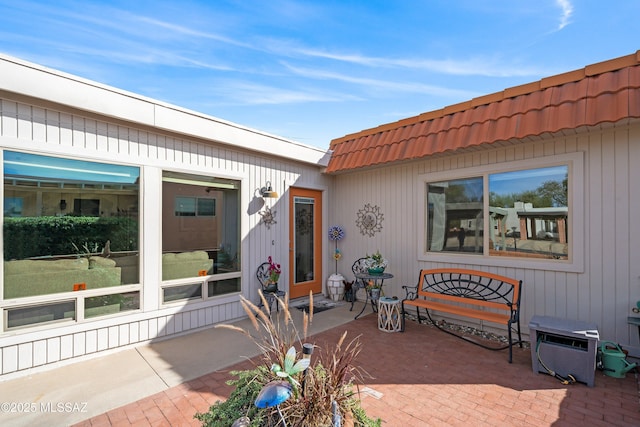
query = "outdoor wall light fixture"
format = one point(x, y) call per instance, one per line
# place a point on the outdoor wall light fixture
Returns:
point(63, 204)
point(267, 192)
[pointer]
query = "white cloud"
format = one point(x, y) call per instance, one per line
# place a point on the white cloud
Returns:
point(386, 85)
point(476, 66)
point(567, 11)
point(242, 93)
point(182, 30)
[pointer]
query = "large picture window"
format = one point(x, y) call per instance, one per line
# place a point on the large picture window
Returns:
point(68, 225)
point(53, 244)
point(200, 235)
point(525, 210)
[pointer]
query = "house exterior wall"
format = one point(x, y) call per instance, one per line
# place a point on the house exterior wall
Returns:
point(44, 127)
point(603, 283)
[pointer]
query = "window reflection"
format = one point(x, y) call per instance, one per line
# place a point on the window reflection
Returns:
point(528, 213)
point(181, 293)
point(59, 311)
point(111, 304)
point(67, 222)
point(200, 226)
point(455, 216)
point(221, 287)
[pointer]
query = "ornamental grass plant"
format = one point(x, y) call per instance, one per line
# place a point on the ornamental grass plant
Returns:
point(326, 389)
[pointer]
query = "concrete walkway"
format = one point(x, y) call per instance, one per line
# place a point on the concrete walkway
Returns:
point(69, 394)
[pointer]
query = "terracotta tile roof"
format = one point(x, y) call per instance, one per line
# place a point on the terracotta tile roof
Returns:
point(604, 92)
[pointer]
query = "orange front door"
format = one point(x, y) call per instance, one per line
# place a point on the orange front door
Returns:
point(305, 242)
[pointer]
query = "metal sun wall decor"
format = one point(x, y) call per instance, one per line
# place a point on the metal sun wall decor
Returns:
point(369, 220)
point(268, 217)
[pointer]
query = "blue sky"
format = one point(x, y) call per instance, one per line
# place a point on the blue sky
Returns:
point(525, 180)
point(312, 71)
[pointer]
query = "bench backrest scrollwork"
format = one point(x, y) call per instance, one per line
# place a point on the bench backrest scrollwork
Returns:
point(486, 289)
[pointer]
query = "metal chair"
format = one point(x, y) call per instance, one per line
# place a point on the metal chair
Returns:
point(358, 267)
point(269, 290)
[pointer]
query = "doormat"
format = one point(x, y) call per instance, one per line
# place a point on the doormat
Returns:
point(316, 308)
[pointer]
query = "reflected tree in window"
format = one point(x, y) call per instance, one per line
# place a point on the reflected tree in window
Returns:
point(529, 213)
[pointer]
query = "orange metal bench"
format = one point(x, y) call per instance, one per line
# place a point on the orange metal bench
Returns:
point(469, 293)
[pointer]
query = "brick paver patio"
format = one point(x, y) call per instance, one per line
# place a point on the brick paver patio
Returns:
point(424, 377)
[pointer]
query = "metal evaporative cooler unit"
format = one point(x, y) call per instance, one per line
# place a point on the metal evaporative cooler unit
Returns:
point(564, 346)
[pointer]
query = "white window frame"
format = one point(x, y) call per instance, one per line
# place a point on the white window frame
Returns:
point(575, 226)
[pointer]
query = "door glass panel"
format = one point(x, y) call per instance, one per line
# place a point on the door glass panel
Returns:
point(303, 246)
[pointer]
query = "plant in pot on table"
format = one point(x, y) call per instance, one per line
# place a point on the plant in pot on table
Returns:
point(376, 264)
point(274, 271)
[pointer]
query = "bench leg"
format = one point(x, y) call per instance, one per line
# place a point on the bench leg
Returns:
point(510, 327)
point(417, 315)
point(402, 325)
point(510, 344)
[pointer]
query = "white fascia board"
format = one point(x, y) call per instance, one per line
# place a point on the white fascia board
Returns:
point(36, 81)
point(199, 125)
point(51, 85)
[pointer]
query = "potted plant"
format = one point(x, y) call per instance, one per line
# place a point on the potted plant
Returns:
point(374, 289)
point(288, 385)
point(375, 263)
point(274, 271)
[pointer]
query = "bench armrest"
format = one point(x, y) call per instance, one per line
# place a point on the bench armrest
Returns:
point(411, 292)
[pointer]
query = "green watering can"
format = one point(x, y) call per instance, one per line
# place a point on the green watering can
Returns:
point(613, 361)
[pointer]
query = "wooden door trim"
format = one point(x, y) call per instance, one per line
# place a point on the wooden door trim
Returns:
point(316, 284)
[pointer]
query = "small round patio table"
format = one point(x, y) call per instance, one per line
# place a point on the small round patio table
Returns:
point(365, 278)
